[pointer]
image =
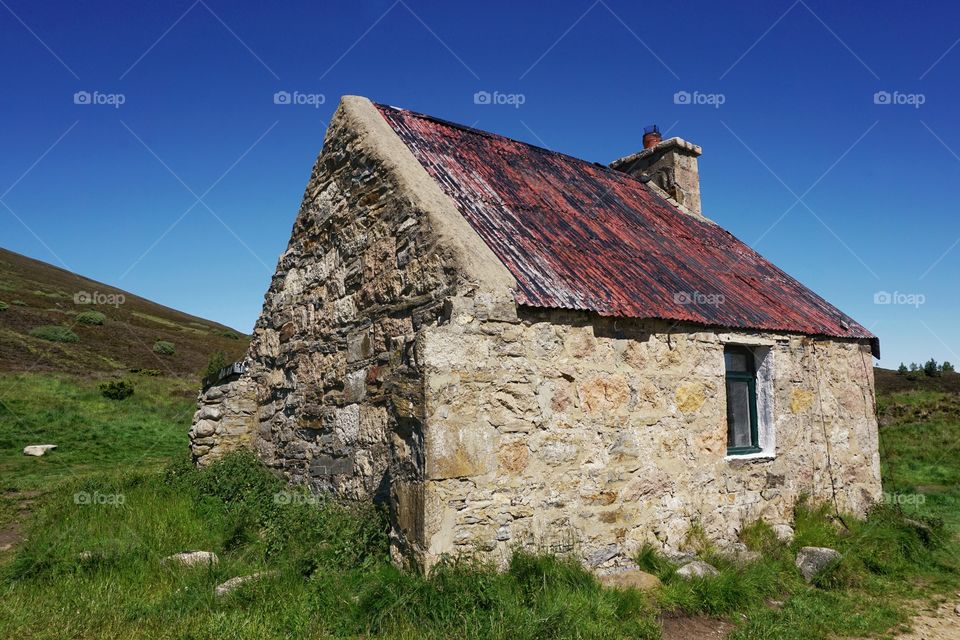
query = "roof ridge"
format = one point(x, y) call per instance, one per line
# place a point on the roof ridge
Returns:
point(497, 136)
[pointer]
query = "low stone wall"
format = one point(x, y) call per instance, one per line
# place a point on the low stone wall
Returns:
point(225, 420)
point(563, 432)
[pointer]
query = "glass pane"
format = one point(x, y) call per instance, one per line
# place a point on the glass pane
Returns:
point(738, 414)
point(735, 361)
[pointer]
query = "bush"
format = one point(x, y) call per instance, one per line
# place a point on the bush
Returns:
point(217, 361)
point(153, 373)
point(902, 369)
point(55, 333)
point(19, 303)
point(116, 390)
point(164, 348)
point(947, 367)
point(4, 306)
point(90, 318)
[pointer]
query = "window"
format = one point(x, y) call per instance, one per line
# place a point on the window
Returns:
point(742, 431)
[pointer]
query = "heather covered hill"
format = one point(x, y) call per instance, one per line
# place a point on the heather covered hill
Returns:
point(55, 320)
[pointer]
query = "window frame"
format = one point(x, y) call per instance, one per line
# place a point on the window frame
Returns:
point(750, 377)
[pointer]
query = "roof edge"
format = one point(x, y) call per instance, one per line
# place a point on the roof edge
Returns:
point(474, 260)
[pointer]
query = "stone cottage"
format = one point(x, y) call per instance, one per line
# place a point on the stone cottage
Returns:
point(515, 348)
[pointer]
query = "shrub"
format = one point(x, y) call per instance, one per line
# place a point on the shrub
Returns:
point(164, 348)
point(230, 335)
point(147, 372)
point(217, 361)
point(90, 318)
point(947, 367)
point(19, 303)
point(116, 390)
point(4, 306)
point(902, 369)
point(55, 333)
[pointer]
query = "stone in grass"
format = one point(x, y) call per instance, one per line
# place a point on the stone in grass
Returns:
point(192, 558)
point(784, 532)
point(630, 579)
point(697, 569)
point(233, 583)
point(812, 560)
point(38, 450)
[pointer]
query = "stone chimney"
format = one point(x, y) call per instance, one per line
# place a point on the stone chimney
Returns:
point(670, 166)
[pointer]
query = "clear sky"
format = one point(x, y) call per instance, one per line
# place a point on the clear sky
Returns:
point(174, 174)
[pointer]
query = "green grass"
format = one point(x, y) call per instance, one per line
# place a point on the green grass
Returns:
point(120, 494)
point(54, 333)
point(94, 570)
point(93, 433)
point(3, 306)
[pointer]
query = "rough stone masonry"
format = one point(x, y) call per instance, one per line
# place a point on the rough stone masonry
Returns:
point(391, 363)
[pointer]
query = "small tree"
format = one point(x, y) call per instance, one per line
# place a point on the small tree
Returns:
point(947, 367)
point(931, 368)
point(913, 367)
point(217, 361)
point(902, 369)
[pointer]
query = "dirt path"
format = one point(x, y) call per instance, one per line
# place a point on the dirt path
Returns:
point(17, 507)
point(936, 622)
point(695, 628)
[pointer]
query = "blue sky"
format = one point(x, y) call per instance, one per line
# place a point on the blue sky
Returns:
point(186, 192)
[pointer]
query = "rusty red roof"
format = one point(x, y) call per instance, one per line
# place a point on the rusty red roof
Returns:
point(578, 235)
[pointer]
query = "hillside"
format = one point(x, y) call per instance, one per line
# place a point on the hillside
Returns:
point(35, 295)
point(889, 381)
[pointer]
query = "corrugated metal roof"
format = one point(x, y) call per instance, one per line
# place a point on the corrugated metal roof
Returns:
point(578, 235)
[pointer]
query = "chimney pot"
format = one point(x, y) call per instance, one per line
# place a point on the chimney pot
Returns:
point(651, 136)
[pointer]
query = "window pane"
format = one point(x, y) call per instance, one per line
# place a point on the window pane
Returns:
point(735, 361)
point(738, 414)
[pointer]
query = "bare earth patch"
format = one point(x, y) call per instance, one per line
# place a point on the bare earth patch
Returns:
point(11, 528)
point(935, 622)
point(695, 628)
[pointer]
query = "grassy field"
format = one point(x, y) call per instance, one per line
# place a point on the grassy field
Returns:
point(119, 495)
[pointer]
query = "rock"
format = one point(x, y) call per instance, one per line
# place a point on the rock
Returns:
point(192, 558)
point(956, 610)
point(697, 569)
point(603, 554)
point(630, 579)
point(812, 560)
point(739, 553)
point(38, 450)
point(784, 532)
point(233, 583)
point(680, 558)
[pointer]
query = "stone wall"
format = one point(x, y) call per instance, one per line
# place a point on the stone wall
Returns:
point(558, 431)
point(375, 251)
point(225, 420)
